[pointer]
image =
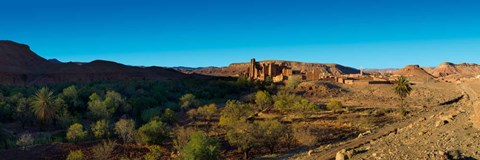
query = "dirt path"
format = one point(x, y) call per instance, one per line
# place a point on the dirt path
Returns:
point(386, 131)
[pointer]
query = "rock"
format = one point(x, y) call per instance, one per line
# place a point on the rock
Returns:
point(441, 123)
point(341, 155)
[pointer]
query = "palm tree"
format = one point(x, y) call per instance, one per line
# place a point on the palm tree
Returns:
point(43, 105)
point(403, 89)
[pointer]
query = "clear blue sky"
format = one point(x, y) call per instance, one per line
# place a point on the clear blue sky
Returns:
point(372, 34)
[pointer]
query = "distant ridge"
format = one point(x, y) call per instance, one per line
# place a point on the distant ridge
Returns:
point(236, 69)
point(20, 65)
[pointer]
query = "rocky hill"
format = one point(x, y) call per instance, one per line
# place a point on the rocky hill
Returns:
point(20, 65)
point(463, 69)
point(236, 69)
point(414, 71)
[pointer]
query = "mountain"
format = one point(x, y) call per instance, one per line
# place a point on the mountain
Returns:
point(20, 65)
point(236, 69)
point(462, 69)
point(414, 71)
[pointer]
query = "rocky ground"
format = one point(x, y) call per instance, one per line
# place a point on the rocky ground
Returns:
point(442, 132)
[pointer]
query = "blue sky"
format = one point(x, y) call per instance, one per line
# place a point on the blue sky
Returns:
point(372, 34)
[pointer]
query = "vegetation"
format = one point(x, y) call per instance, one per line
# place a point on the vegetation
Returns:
point(103, 150)
point(154, 132)
point(152, 114)
point(125, 129)
point(76, 132)
point(201, 147)
point(75, 155)
point(43, 105)
point(155, 152)
point(334, 105)
point(101, 129)
point(402, 89)
point(25, 140)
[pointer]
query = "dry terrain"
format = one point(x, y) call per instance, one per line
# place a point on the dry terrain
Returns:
point(442, 131)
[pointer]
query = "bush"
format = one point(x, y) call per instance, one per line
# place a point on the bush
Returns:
point(101, 129)
point(75, 155)
point(76, 132)
point(125, 129)
point(25, 140)
point(187, 101)
point(182, 136)
point(103, 150)
point(270, 131)
point(154, 132)
point(303, 134)
point(156, 152)
point(201, 147)
point(334, 105)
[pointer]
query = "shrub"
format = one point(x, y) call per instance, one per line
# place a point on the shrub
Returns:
point(103, 150)
point(270, 131)
point(76, 132)
point(182, 136)
point(303, 134)
point(208, 111)
point(25, 140)
point(187, 101)
point(101, 129)
point(155, 152)
point(125, 129)
point(75, 155)
point(154, 132)
point(334, 105)
point(201, 147)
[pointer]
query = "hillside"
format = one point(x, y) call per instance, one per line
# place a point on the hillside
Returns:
point(463, 69)
point(413, 71)
point(20, 65)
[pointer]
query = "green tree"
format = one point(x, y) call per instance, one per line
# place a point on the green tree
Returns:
point(235, 112)
point(263, 100)
point(187, 101)
point(98, 108)
point(76, 133)
point(72, 99)
point(114, 101)
point(201, 147)
point(154, 132)
point(43, 105)
point(101, 129)
point(270, 131)
point(243, 136)
point(402, 89)
point(125, 129)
